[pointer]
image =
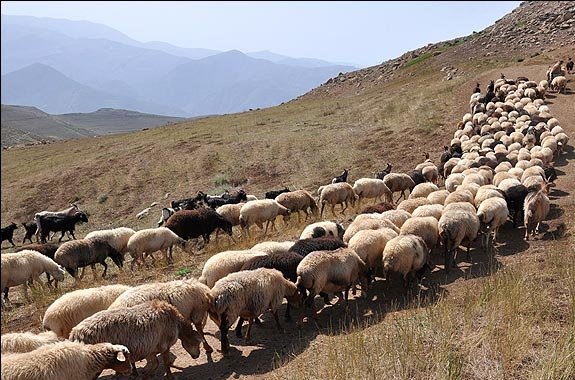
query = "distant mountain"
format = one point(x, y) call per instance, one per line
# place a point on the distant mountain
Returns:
point(21, 125)
point(43, 87)
point(63, 66)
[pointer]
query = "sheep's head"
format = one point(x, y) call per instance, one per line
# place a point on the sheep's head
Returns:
point(191, 340)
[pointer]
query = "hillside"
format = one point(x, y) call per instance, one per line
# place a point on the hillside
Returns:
point(510, 316)
point(29, 125)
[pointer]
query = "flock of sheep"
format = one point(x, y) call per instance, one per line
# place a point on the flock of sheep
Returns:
point(498, 165)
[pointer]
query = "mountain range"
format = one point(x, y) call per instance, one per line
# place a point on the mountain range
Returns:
point(64, 66)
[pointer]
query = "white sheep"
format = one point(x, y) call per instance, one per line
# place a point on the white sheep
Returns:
point(407, 255)
point(486, 192)
point(460, 195)
point(398, 182)
point(65, 360)
point(410, 205)
point(331, 272)
point(337, 193)
point(223, 263)
point(492, 214)
point(73, 307)
point(369, 245)
point(458, 222)
point(438, 197)
point(190, 296)
point(21, 267)
point(325, 228)
point(559, 84)
point(116, 237)
point(150, 240)
point(231, 213)
point(422, 190)
point(367, 222)
point(259, 211)
point(434, 210)
point(298, 200)
point(273, 247)
point(426, 227)
point(27, 341)
point(248, 294)
point(146, 329)
point(535, 208)
point(372, 188)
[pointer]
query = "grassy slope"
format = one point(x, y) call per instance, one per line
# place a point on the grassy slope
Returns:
point(516, 323)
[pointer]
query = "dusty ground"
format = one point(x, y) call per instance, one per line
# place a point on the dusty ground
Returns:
point(257, 358)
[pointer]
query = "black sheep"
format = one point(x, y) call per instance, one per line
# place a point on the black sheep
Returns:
point(31, 229)
point(341, 178)
point(8, 233)
point(272, 194)
point(61, 223)
point(515, 196)
point(305, 246)
point(190, 224)
point(378, 208)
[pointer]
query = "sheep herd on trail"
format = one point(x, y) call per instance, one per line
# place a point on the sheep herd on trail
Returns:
point(496, 172)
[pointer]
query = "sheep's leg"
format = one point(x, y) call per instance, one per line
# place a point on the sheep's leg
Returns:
point(266, 230)
point(93, 266)
point(248, 336)
point(167, 363)
point(25, 289)
point(279, 326)
point(239, 327)
point(152, 361)
point(105, 269)
point(225, 343)
point(200, 328)
point(287, 316)
point(11, 242)
point(6, 294)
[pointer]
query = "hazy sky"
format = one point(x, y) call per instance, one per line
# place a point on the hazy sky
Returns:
point(364, 33)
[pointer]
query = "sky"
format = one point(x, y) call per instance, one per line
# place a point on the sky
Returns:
point(363, 33)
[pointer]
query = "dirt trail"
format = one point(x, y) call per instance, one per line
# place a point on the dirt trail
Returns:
point(256, 359)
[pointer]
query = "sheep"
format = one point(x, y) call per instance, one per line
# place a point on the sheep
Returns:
point(399, 182)
point(407, 255)
point(215, 202)
point(341, 178)
point(535, 208)
point(271, 247)
point(27, 341)
point(231, 212)
point(426, 227)
point(65, 360)
point(272, 194)
point(459, 196)
point(397, 217)
point(331, 272)
point(423, 190)
point(368, 222)
point(8, 233)
point(116, 237)
point(559, 84)
point(438, 197)
point(486, 192)
point(47, 249)
point(492, 214)
point(325, 228)
point(371, 188)
point(434, 210)
point(30, 229)
point(378, 207)
point(248, 294)
point(285, 262)
point(337, 193)
point(63, 223)
point(410, 205)
point(147, 241)
point(20, 267)
point(223, 263)
point(189, 224)
point(147, 329)
point(325, 243)
point(190, 296)
point(73, 307)
point(75, 254)
point(369, 245)
point(260, 211)
point(298, 200)
point(70, 211)
point(458, 222)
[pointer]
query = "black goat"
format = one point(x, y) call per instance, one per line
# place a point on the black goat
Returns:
point(215, 202)
point(8, 233)
point(384, 172)
point(272, 194)
point(341, 178)
point(190, 224)
point(61, 223)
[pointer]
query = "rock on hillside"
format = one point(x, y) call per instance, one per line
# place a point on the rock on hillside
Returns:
point(530, 29)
